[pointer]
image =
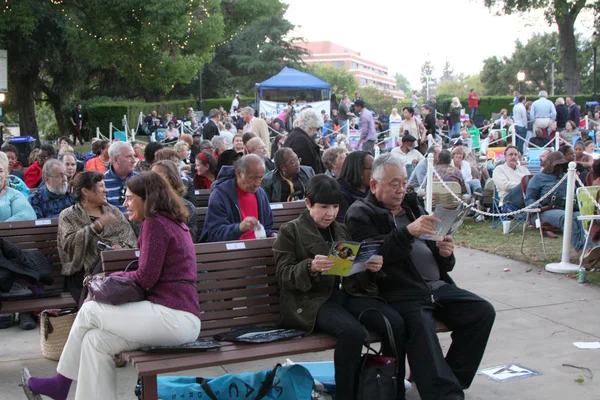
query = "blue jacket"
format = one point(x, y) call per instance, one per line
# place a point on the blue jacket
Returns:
point(540, 184)
point(224, 216)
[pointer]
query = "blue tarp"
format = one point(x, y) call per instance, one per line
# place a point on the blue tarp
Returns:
point(292, 79)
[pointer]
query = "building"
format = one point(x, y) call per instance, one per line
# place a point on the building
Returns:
point(366, 72)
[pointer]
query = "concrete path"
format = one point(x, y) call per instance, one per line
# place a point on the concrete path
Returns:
point(539, 316)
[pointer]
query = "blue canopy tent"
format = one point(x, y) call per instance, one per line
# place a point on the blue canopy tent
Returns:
point(291, 82)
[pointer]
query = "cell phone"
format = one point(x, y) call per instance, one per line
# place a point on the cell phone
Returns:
point(103, 246)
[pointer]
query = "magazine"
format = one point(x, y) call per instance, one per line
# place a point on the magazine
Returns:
point(450, 221)
point(349, 257)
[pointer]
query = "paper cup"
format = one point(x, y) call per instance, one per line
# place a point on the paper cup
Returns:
point(506, 227)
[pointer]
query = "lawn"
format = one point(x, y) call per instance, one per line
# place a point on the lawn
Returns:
point(481, 236)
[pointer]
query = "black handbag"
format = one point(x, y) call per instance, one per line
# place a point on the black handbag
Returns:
point(377, 379)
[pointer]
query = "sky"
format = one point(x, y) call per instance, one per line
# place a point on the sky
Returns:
point(402, 35)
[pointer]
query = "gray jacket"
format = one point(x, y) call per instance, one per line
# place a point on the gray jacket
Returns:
point(272, 182)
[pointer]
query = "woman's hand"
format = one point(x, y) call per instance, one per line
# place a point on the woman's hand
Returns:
point(321, 264)
point(107, 219)
point(374, 263)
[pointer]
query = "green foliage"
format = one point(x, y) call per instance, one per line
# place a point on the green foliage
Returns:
point(461, 85)
point(402, 83)
point(339, 79)
point(46, 121)
point(427, 71)
point(208, 104)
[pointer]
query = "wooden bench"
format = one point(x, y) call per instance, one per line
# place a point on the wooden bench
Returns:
point(236, 286)
point(39, 235)
point(202, 196)
point(282, 213)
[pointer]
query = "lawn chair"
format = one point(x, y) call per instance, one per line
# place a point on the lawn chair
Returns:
point(526, 221)
point(589, 178)
point(443, 198)
point(587, 209)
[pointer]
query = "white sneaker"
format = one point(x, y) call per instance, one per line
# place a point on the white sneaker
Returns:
point(480, 218)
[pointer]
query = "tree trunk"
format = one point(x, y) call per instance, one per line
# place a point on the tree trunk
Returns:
point(151, 97)
point(568, 52)
point(24, 90)
point(55, 101)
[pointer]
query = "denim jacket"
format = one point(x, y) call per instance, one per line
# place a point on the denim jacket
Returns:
point(541, 184)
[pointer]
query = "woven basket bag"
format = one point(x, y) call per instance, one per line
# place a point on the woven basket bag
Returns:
point(55, 326)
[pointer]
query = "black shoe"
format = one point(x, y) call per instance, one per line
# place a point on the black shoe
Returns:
point(6, 320)
point(26, 321)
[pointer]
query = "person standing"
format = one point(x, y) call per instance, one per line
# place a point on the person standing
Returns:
point(543, 111)
point(256, 125)
point(235, 104)
point(473, 102)
point(345, 115)
point(562, 114)
point(574, 111)
point(211, 129)
point(77, 121)
point(454, 113)
point(368, 135)
point(520, 120)
point(415, 99)
point(384, 119)
point(301, 140)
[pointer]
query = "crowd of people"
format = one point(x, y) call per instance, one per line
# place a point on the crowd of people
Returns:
point(129, 195)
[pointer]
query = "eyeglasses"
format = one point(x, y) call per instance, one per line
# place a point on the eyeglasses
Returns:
point(122, 194)
point(58, 176)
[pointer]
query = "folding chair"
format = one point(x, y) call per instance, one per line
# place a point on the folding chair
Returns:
point(527, 217)
point(587, 213)
point(443, 198)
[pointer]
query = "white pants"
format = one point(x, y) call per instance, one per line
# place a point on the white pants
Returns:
point(541, 123)
point(102, 330)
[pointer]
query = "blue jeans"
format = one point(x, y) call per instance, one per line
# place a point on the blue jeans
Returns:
point(454, 130)
point(557, 218)
point(521, 131)
point(473, 186)
point(344, 126)
point(473, 112)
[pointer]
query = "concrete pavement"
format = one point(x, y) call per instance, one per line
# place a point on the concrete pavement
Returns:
point(539, 316)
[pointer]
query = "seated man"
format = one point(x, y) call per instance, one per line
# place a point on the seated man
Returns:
point(237, 204)
point(288, 181)
point(257, 146)
point(507, 178)
point(417, 178)
point(122, 162)
point(52, 197)
point(33, 174)
point(553, 207)
point(418, 286)
point(407, 153)
point(448, 172)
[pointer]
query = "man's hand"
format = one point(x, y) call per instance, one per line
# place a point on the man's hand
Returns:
point(248, 224)
point(446, 246)
point(425, 224)
point(374, 263)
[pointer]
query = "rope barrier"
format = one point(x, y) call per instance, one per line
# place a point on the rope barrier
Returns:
point(587, 192)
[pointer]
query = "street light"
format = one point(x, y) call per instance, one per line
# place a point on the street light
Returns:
point(594, 46)
point(2, 97)
point(520, 78)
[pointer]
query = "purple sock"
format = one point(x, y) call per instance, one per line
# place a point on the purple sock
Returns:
point(56, 388)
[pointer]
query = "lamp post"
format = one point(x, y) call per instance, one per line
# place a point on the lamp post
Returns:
point(594, 46)
point(2, 98)
point(520, 78)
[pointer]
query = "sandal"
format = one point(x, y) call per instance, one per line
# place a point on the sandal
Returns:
point(25, 376)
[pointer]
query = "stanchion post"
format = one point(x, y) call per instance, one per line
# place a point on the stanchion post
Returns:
point(110, 128)
point(514, 137)
point(429, 186)
point(564, 265)
point(97, 132)
point(556, 141)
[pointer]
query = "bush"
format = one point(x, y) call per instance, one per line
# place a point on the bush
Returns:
point(209, 104)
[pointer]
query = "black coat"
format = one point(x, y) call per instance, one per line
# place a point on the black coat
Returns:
point(306, 149)
point(369, 219)
point(210, 130)
point(29, 265)
point(562, 116)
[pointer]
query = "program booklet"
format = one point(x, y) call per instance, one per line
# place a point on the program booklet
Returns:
point(349, 257)
point(450, 221)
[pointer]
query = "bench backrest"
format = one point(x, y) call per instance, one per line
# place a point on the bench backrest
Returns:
point(282, 213)
point(37, 235)
point(202, 196)
point(236, 286)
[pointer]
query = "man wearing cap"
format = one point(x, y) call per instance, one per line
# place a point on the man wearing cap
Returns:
point(235, 104)
point(553, 207)
point(211, 129)
point(368, 135)
point(407, 153)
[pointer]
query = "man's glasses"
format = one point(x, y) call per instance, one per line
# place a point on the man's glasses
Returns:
point(122, 194)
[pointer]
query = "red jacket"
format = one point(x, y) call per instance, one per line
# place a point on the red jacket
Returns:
point(33, 175)
point(473, 100)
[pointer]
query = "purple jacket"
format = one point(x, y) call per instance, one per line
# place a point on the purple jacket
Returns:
point(367, 125)
point(167, 259)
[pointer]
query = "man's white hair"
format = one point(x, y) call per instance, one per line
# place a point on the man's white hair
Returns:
point(543, 93)
point(378, 168)
point(116, 148)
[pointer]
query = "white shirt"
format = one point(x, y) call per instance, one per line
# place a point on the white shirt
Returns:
point(506, 178)
point(235, 104)
point(465, 170)
point(409, 157)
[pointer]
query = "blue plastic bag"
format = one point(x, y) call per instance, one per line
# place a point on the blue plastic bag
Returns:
point(292, 382)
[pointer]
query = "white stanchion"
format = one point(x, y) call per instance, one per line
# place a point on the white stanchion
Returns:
point(429, 186)
point(110, 129)
point(97, 132)
point(556, 141)
point(565, 265)
point(514, 137)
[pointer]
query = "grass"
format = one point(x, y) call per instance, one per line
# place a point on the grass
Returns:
point(481, 236)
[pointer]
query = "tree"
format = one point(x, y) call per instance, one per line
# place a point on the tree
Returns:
point(375, 99)
point(494, 75)
point(563, 13)
point(339, 79)
point(447, 73)
point(461, 85)
point(402, 83)
point(427, 79)
point(63, 48)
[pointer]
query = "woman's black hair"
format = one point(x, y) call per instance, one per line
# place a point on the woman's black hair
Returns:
point(150, 151)
point(85, 180)
point(291, 101)
point(323, 189)
point(410, 110)
point(596, 168)
point(565, 149)
point(352, 170)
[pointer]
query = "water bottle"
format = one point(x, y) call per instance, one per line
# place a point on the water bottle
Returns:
point(582, 275)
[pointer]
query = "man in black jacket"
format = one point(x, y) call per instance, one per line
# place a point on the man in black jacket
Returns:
point(418, 286)
point(211, 128)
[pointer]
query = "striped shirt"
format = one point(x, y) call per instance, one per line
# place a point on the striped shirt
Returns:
point(116, 188)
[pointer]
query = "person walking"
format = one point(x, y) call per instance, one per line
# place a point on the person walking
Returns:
point(368, 135)
point(77, 122)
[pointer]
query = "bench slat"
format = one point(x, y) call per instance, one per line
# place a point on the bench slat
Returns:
point(13, 306)
point(214, 316)
point(225, 265)
point(234, 294)
point(255, 319)
point(237, 273)
point(268, 280)
point(238, 303)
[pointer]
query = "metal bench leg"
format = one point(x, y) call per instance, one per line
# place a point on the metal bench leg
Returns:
point(149, 388)
point(542, 235)
point(523, 237)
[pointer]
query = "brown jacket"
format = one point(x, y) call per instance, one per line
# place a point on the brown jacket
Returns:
point(77, 242)
point(302, 295)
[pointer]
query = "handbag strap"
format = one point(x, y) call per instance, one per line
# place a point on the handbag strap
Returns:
point(267, 384)
point(390, 333)
point(206, 388)
point(130, 264)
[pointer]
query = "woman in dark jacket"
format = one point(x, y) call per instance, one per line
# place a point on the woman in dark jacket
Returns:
point(354, 180)
point(301, 140)
point(311, 301)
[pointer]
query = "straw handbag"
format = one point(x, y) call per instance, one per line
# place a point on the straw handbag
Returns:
point(55, 326)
